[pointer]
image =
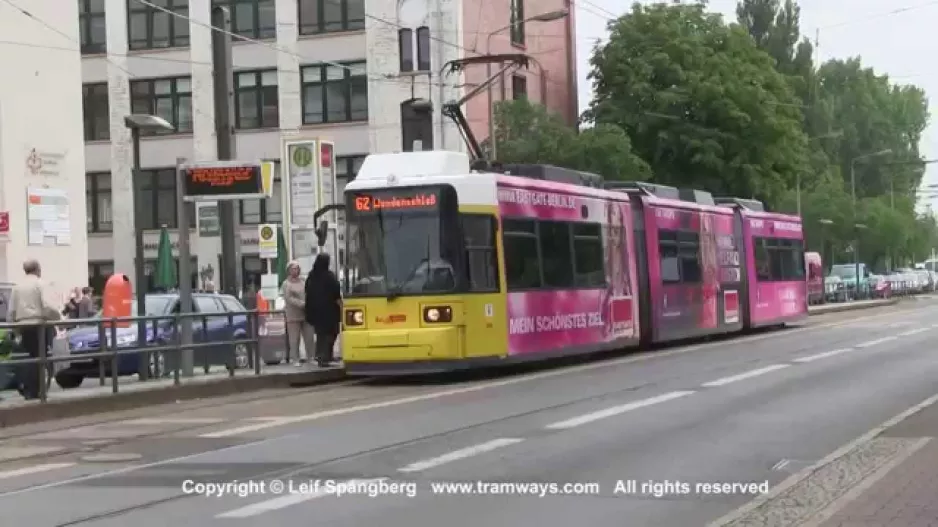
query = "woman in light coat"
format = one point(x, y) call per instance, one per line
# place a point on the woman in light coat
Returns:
point(293, 291)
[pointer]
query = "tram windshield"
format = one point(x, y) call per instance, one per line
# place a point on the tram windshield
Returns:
point(401, 242)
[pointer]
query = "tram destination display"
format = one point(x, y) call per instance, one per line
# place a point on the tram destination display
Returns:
point(223, 181)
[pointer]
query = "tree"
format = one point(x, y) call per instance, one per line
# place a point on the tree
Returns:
point(776, 29)
point(528, 133)
point(702, 104)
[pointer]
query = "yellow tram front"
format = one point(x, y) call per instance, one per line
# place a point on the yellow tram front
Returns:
point(422, 292)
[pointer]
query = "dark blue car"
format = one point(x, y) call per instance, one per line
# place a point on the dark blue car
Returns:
point(216, 329)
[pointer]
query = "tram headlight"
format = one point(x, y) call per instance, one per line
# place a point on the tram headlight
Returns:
point(438, 314)
point(354, 317)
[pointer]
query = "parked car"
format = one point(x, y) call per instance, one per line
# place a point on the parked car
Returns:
point(216, 329)
point(879, 286)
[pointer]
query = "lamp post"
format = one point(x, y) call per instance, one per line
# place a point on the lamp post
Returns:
point(824, 224)
point(136, 123)
point(853, 193)
point(549, 16)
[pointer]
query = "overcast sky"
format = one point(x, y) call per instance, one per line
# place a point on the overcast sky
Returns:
point(895, 37)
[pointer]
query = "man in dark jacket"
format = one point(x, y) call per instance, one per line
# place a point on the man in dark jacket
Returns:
point(323, 308)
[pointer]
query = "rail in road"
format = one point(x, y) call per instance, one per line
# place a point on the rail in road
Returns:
point(218, 379)
point(679, 437)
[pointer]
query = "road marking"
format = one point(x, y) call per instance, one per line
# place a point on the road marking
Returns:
point(913, 332)
point(175, 421)
point(637, 357)
point(781, 464)
point(460, 454)
point(934, 326)
point(615, 410)
point(35, 469)
point(745, 375)
point(819, 356)
point(288, 500)
point(870, 343)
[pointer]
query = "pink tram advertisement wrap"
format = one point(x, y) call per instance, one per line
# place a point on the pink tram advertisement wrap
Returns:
point(541, 321)
point(778, 286)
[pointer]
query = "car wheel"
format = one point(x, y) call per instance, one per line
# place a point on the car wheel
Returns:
point(158, 364)
point(241, 356)
point(68, 380)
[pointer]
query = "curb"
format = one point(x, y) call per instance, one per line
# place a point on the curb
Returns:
point(82, 406)
point(853, 306)
point(739, 516)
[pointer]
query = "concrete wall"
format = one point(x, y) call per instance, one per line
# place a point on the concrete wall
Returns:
point(40, 108)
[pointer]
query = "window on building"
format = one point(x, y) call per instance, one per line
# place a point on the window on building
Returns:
point(256, 99)
point(158, 199)
point(252, 268)
point(270, 210)
point(95, 111)
point(91, 27)
point(423, 48)
point(517, 22)
point(416, 125)
point(150, 28)
point(329, 16)
point(98, 273)
point(481, 263)
point(333, 94)
point(519, 87)
point(169, 98)
point(98, 201)
point(251, 18)
point(405, 45)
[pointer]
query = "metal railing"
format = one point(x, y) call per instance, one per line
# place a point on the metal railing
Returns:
point(215, 342)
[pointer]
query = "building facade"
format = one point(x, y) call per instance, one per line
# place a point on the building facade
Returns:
point(41, 156)
point(347, 71)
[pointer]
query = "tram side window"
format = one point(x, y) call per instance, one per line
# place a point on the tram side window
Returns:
point(522, 261)
point(588, 261)
point(779, 260)
point(481, 261)
point(556, 253)
point(669, 254)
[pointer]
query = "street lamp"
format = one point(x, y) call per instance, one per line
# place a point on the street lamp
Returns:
point(136, 123)
point(853, 192)
point(549, 16)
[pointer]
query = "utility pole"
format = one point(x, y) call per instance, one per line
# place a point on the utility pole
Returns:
point(224, 118)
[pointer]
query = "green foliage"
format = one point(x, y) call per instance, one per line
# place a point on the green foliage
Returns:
point(528, 133)
point(703, 105)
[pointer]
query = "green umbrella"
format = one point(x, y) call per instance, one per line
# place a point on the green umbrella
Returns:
point(283, 257)
point(165, 273)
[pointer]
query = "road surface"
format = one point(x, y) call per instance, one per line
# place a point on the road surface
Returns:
point(637, 440)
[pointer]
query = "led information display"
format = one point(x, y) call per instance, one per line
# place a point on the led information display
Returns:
point(404, 200)
point(224, 181)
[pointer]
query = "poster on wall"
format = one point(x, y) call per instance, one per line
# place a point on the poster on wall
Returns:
point(47, 216)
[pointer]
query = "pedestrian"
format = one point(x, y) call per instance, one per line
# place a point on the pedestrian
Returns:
point(86, 304)
point(293, 291)
point(31, 306)
point(71, 305)
point(323, 308)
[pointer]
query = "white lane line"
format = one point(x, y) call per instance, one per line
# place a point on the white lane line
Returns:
point(175, 421)
point(615, 410)
point(819, 356)
point(463, 453)
point(288, 500)
point(35, 469)
point(745, 375)
point(913, 332)
point(870, 343)
point(934, 326)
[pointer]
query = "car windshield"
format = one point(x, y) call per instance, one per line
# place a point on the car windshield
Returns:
point(844, 271)
point(156, 305)
point(398, 244)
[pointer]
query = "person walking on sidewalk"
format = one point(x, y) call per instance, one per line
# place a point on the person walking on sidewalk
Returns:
point(29, 304)
point(293, 291)
point(323, 308)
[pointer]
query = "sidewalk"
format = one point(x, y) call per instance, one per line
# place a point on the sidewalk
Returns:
point(888, 478)
point(850, 306)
